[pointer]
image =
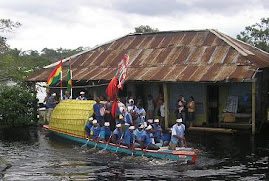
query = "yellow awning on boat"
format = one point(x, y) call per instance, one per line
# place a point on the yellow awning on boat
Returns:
point(71, 116)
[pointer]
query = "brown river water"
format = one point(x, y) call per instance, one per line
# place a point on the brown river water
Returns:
point(35, 154)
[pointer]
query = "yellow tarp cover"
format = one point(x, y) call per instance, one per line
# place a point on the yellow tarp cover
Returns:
point(71, 116)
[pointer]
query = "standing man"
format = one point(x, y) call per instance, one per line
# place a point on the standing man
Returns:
point(50, 104)
point(150, 107)
point(99, 115)
point(177, 136)
point(82, 96)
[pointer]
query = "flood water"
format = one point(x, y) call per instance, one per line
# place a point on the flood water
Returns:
point(37, 155)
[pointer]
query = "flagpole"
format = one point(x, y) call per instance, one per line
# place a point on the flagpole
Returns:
point(71, 73)
point(62, 82)
point(62, 85)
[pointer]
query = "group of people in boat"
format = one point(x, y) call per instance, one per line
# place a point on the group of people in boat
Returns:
point(147, 135)
point(131, 127)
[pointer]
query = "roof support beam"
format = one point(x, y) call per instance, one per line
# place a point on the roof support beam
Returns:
point(253, 101)
point(166, 103)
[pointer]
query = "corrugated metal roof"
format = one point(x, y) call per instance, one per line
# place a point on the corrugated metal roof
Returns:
point(205, 55)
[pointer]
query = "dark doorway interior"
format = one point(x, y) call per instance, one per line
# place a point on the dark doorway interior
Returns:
point(213, 104)
point(140, 94)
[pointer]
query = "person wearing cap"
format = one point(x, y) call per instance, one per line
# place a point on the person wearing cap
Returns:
point(108, 114)
point(105, 132)
point(138, 134)
point(141, 113)
point(129, 137)
point(166, 137)
point(99, 111)
point(81, 96)
point(66, 95)
point(156, 131)
point(177, 136)
point(150, 121)
point(117, 134)
point(50, 104)
point(95, 130)
point(127, 117)
point(88, 127)
point(146, 140)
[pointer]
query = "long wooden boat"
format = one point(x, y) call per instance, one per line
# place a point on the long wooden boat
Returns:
point(70, 117)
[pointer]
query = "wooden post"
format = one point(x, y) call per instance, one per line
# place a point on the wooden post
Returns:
point(253, 101)
point(94, 93)
point(166, 104)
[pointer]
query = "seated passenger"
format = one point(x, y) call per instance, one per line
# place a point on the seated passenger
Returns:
point(129, 137)
point(139, 132)
point(166, 137)
point(146, 140)
point(117, 134)
point(105, 132)
point(82, 96)
point(95, 131)
point(88, 127)
point(177, 137)
point(157, 130)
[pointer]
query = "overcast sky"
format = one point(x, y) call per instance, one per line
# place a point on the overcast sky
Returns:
point(74, 23)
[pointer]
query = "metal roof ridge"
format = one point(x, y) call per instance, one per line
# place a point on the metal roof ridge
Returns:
point(170, 31)
point(231, 42)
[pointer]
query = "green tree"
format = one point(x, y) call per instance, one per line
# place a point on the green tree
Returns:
point(17, 106)
point(145, 29)
point(257, 35)
point(6, 25)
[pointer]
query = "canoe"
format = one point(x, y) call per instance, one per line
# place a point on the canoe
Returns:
point(69, 118)
point(182, 154)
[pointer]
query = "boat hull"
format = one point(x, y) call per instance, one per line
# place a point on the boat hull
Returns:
point(187, 155)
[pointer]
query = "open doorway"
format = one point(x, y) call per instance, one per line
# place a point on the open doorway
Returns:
point(213, 104)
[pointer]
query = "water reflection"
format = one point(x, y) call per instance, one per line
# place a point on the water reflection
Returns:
point(37, 155)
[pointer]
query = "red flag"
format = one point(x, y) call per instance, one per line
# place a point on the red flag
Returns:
point(112, 89)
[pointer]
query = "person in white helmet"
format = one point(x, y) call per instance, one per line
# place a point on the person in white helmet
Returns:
point(177, 137)
point(81, 96)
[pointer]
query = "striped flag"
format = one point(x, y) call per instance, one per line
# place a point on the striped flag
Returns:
point(122, 71)
point(55, 75)
point(69, 78)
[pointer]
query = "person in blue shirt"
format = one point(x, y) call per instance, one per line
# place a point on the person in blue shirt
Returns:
point(177, 136)
point(88, 127)
point(146, 140)
point(157, 131)
point(166, 137)
point(127, 117)
point(139, 132)
point(105, 132)
point(97, 113)
point(117, 134)
point(141, 113)
point(95, 131)
point(129, 137)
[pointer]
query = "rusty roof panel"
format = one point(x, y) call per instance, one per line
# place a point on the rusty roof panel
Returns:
point(136, 42)
point(158, 73)
point(183, 55)
point(163, 55)
point(187, 39)
point(211, 73)
point(205, 55)
point(219, 54)
point(198, 39)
